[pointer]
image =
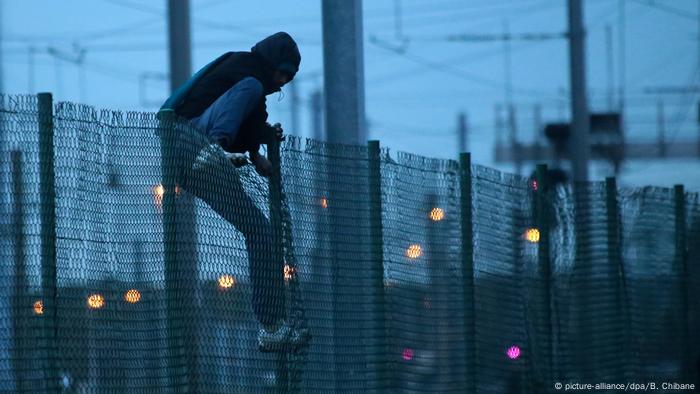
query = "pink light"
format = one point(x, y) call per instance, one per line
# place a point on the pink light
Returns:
point(513, 352)
point(408, 354)
point(533, 183)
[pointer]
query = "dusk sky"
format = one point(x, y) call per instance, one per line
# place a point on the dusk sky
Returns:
point(113, 54)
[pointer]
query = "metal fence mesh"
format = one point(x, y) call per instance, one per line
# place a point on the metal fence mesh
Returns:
point(162, 265)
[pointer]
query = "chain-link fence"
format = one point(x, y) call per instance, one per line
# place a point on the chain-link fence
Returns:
point(136, 258)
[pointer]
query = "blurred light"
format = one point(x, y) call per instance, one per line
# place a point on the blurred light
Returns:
point(226, 282)
point(426, 302)
point(533, 184)
point(39, 307)
point(532, 235)
point(324, 202)
point(407, 354)
point(96, 301)
point(132, 296)
point(289, 272)
point(414, 251)
point(158, 193)
point(437, 214)
point(65, 380)
point(513, 352)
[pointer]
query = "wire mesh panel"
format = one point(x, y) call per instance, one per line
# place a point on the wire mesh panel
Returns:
point(136, 258)
point(508, 294)
point(421, 252)
point(590, 317)
point(693, 285)
point(25, 352)
point(655, 282)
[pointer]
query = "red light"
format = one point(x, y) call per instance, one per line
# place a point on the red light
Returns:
point(408, 354)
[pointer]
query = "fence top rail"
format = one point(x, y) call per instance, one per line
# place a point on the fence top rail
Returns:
point(24, 104)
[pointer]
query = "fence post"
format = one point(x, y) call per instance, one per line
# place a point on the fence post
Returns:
point(384, 355)
point(681, 269)
point(275, 200)
point(175, 353)
point(47, 190)
point(20, 307)
point(465, 178)
point(615, 260)
point(542, 217)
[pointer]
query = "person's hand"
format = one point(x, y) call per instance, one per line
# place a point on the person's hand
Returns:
point(275, 131)
point(262, 165)
point(238, 159)
point(279, 132)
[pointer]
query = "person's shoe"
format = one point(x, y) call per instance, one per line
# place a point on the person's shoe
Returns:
point(285, 339)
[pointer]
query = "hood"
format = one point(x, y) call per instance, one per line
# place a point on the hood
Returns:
point(280, 51)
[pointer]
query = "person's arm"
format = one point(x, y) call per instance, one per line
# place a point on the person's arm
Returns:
point(262, 165)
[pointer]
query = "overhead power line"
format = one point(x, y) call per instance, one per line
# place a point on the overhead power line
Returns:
point(471, 37)
point(86, 35)
point(457, 72)
point(670, 10)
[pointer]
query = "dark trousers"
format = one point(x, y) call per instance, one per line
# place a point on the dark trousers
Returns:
point(217, 182)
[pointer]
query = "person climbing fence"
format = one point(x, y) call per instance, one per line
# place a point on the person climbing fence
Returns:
point(226, 101)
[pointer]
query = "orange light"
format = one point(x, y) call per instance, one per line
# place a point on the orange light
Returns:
point(226, 282)
point(39, 307)
point(324, 202)
point(95, 301)
point(289, 272)
point(532, 235)
point(158, 193)
point(132, 296)
point(437, 214)
point(414, 251)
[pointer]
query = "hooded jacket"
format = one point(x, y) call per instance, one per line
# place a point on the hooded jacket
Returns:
point(276, 52)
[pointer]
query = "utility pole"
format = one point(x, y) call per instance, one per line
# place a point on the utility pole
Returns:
point(462, 133)
point(179, 40)
point(661, 121)
point(507, 67)
point(513, 137)
point(2, 26)
point(30, 70)
point(537, 119)
point(498, 124)
point(343, 73)
point(609, 50)
point(77, 57)
point(580, 125)
point(182, 310)
point(294, 107)
point(344, 97)
point(622, 57)
point(316, 115)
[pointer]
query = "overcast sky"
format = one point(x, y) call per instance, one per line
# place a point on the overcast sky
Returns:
point(414, 96)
